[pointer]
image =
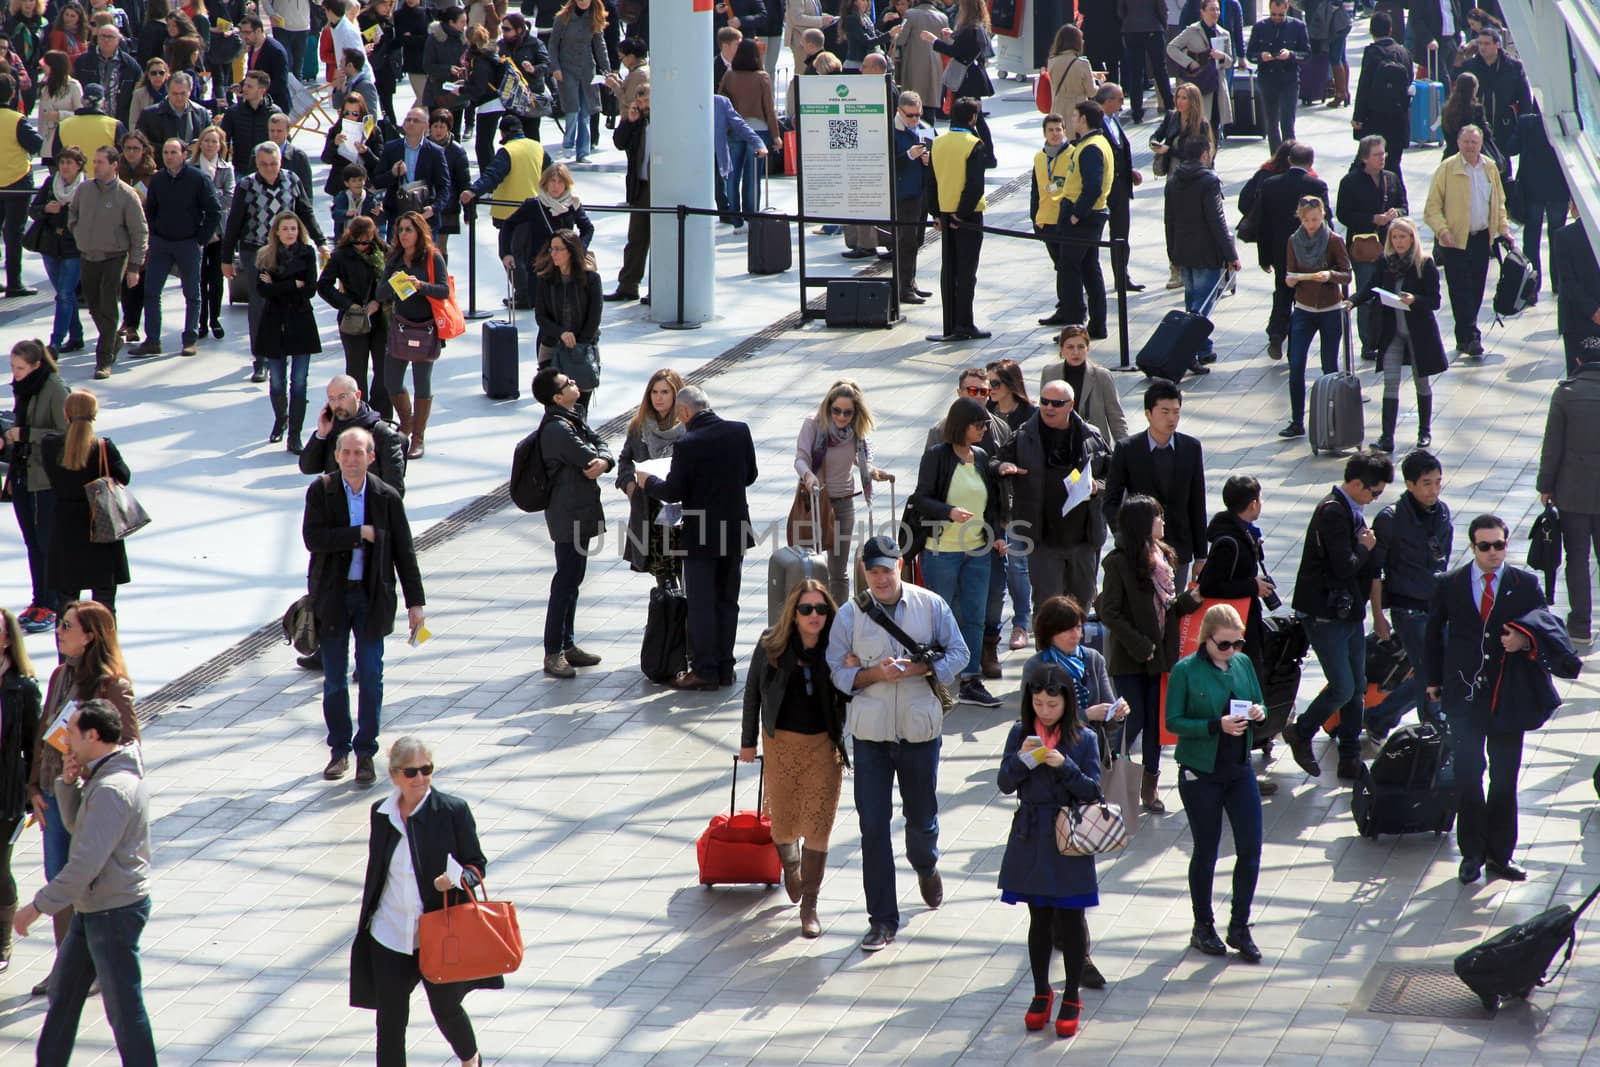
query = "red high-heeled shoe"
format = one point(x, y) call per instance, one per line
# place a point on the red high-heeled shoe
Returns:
point(1066, 1027)
point(1035, 1020)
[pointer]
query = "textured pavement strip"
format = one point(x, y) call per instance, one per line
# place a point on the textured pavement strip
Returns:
point(589, 814)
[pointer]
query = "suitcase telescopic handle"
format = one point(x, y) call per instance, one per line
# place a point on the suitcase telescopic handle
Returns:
point(761, 781)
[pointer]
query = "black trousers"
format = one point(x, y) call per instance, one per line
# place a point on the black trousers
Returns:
point(1580, 532)
point(483, 141)
point(958, 270)
point(8, 884)
point(16, 220)
point(561, 614)
point(1144, 50)
point(397, 975)
point(1078, 272)
point(1465, 272)
point(711, 584)
point(1282, 304)
point(906, 241)
point(364, 352)
point(213, 286)
point(636, 253)
point(106, 598)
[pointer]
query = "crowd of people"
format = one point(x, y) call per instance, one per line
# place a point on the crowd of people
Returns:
point(171, 151)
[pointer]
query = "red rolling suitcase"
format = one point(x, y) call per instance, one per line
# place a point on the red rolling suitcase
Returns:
point(737, 849)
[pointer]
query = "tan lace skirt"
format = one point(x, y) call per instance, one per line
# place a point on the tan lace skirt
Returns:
point(803, 776)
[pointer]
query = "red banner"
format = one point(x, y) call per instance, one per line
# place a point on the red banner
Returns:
point(1188, 643)
point(703, 5)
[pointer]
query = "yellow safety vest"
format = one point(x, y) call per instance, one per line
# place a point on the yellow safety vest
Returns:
point(14, 162)
point(1108, 172)
point(950, 152)
point(522, 182)
point(1046, 170)
point(87, 133)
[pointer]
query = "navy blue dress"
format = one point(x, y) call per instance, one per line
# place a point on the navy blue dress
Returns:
point(1033, 872)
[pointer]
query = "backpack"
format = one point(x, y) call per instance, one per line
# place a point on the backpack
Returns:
point(514, 91)
point(530, 478)
point(1518, 286)
point(1391, 84)
point(300, 626)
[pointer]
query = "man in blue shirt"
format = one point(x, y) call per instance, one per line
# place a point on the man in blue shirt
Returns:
point(414, 158)
point(913, 139)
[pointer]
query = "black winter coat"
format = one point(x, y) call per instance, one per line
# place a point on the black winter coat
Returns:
point(1280, 196)
point(288, 326)
point(331, 540)
point(712, 466)
point(1197, 230)
point(411, 27)
point(1336, 570)
point(1026, 450)
point(1360, 198)
point(1427, 347)
point(574, 515)
point(1136, 642)
point(75, 561)
point(56, 238)
point(441, 827)
point(336, 162)
point(19, 724)
point(1230, 572)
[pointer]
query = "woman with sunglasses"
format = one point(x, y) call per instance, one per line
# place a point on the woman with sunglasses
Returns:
point(1213, 697)
point(340, 149)
point(92, 668)
point(415, 832)
point(833, 449)
point(789, 694)
point(1008, 398)
point(1055, 888)
point(351, 282)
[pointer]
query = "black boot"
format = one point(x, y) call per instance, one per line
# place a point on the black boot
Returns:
point(1424, 421)
point(280, 417)
point(1391, 414)
point(297, 418)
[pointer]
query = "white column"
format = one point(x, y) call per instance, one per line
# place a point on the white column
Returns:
point(682, 161)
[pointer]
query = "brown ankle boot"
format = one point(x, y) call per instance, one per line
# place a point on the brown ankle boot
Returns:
point(812, 863)
point(989, 662)
point(792, 882)
point(1149, 798)
point(419, 427)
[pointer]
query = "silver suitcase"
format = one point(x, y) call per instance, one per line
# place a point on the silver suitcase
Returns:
point(1336, 421)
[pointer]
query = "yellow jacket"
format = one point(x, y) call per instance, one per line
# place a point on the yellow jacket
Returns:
point(1450, 200)
point(1045, 171)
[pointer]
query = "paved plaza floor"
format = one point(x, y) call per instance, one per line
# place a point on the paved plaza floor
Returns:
point(589, 794)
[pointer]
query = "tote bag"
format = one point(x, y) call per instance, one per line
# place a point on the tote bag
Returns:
point(113, 511)
point(447, 317)
point(470, 941)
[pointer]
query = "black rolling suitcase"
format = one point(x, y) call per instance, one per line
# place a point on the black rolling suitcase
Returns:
point(500, 356)
point(1513, 962)
point(768, 249)
point(665, 649)
point(1246, 107)
point(1179, 339)
point(1407, 789)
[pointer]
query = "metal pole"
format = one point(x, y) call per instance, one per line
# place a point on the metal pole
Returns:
point(472, 264)
point(1122, 302)
point(680, 323)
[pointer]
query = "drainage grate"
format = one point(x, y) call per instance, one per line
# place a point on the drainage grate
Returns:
point(1429, 990)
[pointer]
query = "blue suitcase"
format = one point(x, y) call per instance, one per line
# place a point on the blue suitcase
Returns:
point(1427, 100)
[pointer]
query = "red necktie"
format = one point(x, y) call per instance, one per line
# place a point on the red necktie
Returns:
point(1486, 602)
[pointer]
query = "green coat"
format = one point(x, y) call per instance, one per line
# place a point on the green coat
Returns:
point(1197, 698)
point(46, 415)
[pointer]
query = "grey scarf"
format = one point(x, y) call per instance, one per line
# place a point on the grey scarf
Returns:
point(1310, 249)
point(557, 205)
point(658, 442)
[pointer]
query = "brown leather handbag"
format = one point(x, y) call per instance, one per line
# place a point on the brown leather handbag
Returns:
point(470, 941)
point(811, 520)
point(1364, 248)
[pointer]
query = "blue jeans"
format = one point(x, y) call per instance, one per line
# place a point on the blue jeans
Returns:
point(1410, 627)
point(1230, 790)
point(64, 274)
point(280, 378)
point(1198, 285)
point(878, 764)
point(1017, 583)
point(1143, 694)
point(963, 581)
point(1341, 649)
point(336, 681)
point(743, 183)
point(577, 131)
point(57, 842)
point(1302, 326)
point(163, 257)
point(104, 945)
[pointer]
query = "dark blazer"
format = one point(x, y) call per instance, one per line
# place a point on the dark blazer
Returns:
point(1427, 347)
point(441, 827)
point(432, 168)
point(1231, 570)
point(1573, 262)
point(331, 540)
point(1333, 563)
point(1280, 196)
point(1026, 450)
point(1462, 653)
point(1132, 471)
point(75, 561)
point(1136, 643)
point(765, 684)
point(1122, 180)
point(712, 466)
point(629, 139)
point(927, 501)
point(1360, 198)
point(19, 723)
point(273, 58)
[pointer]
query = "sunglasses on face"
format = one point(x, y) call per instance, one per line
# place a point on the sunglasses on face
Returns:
point(976, 390)
point(842, 413)
point(811, 609)
point(1053, 403)
point(993, 384)
point(1223, 646)
point(1489, 546)
point(426, 770)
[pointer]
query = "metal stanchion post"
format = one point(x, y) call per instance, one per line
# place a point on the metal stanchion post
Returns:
point(472, 313)
point(1122, 305)
point(679, 323)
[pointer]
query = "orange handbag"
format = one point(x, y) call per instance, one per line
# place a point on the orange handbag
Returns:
point(1043, 96)
point(466, 942)
point(447, 317)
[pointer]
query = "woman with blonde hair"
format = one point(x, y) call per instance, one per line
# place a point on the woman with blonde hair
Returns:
point(92, 668)
point(19, 722)
point(652, 432)
point(287, 333)
point(833, 447)
point(1412, 337)
point(1186, 121)
point(72, 460)
point(213, 156)
point(1213, 698)
point(789, 697)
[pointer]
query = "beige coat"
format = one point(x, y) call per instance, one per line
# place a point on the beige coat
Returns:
point(1099, 405)
point(1071, 83)
point(798, 17)
point(1194, 39)
point(1450, 201)
point(918, 66)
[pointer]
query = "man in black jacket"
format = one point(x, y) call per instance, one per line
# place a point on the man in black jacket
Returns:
point(1280, 201)
point(1199, 239)
point(1047, 450)
point(1503, 91)
point(409, 158)
point(184, 212)
point(1578, 299)
point(1414, 546)
point(356, 530)
point(1334, 581)
point(1433, 32)
point(960, 156)
point(1569, 477)
point(1371, 196)
point(1169, 466)
point(176, 116)
point(269, 57)
point(1109, 96)
point(1478, 646)
point(712, 466)
point(112, 68)
point(633, 138)
point(1278, 45)
point(1383, 95)
point(246, 122)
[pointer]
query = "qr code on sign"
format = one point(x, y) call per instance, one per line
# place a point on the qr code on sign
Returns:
point(842, 134)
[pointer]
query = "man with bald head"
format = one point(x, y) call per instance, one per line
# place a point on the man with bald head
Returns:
point(346, 407)
point(1046, 460)
point(412, 158)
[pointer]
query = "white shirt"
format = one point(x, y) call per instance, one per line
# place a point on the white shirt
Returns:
point(394, 924)
point(1478, 217)
point(1447, 18)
